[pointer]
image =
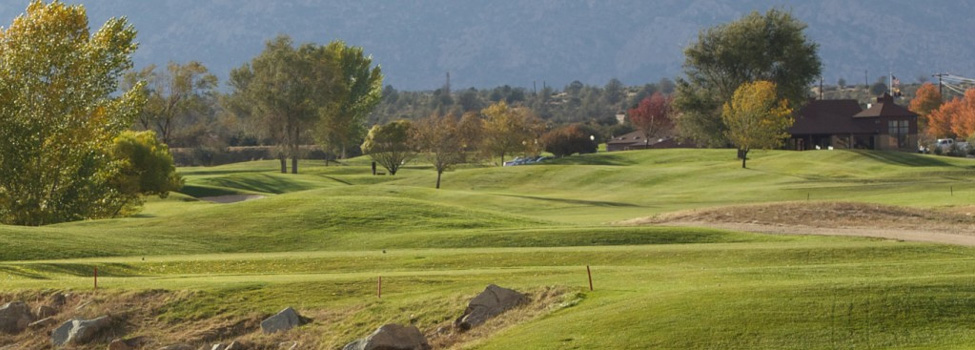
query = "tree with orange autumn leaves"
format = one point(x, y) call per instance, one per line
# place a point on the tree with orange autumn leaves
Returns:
point(926, 100)
point(955, 118)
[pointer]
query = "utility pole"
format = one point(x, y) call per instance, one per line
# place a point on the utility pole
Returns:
point(820, 87)
point(941, 86)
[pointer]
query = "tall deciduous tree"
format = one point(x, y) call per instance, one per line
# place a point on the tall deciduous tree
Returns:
point(178, 96)
point(653, 116)
point(343, 127)
point(756, 118)
point(508, 130)
point(390, 144)
point(59, 114)
point(287, 89)
point(441, 139)
point(770, 47)
point(956, 118)
point(926, 99)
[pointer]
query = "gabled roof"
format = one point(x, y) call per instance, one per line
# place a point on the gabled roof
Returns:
point(885, 107)
point(828, 117)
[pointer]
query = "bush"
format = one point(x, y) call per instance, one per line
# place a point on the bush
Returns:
point(568, 140)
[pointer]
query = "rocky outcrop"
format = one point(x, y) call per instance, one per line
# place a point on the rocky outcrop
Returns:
point(79, 331)
point(14, 317)
point(44, 311)
point(392, 337)
point(491, 302)
point(283, 321)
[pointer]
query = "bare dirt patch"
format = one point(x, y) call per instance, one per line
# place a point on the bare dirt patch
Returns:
point(954, 226)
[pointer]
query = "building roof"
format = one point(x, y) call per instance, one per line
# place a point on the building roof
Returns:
point(635, 137)
point(885, 107)
point(828, 117)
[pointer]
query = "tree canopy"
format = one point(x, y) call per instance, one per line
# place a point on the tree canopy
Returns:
point(362, 84)
point(926, 99)
point(653, 116)
point(756, 118)
point(771, 47)
point(287, 89)
point(510, 129)
point(390, 145)
point(59, 114)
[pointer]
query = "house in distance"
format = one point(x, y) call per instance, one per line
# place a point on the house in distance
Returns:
point(842, 124)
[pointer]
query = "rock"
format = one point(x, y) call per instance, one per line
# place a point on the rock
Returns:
point(44, 311)
point(235, 345)
point(119, 344)
point(392, 337)
point(57, 300)
point(180, 346)
point(79, 331)
point(14, 317)
point(491, 302)
point(42, 323)
point(284, 320)
point(127, 344)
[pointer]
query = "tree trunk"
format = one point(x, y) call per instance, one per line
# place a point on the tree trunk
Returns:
point(284, 164)
point(294, 164)
point(438, 178)
point(744, 157)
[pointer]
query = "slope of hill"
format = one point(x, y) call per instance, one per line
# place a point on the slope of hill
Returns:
point(487, 44)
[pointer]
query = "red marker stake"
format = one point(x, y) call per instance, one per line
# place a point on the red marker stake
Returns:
point(379, 288)
point(96, 277)
point(590, 277)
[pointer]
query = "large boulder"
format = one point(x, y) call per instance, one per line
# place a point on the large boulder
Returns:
point(392, 337)
point(79, 331)
point(282, 321)
point(491, 302)
point(14, 317)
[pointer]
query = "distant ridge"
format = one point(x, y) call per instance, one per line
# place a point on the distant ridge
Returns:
point(491, 43)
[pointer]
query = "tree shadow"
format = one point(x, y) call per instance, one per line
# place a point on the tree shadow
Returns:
point(602, 159)
point(577, 201)
point(904, 158)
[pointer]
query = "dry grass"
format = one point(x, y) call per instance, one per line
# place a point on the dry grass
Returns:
point(135, 314)
point(541, 302)
point(826, 215)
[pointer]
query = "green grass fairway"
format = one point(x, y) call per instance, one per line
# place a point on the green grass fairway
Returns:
point(319, 241)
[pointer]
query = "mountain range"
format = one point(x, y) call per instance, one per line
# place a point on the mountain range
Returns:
point(520, 43)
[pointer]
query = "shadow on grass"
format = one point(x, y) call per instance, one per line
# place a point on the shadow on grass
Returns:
point(587, 159)
point(10, 270)
point(206, 191)
point(578, 201)
point(902, 158)
point(258, 183)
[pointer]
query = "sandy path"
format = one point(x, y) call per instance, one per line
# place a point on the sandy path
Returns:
point(960, 238)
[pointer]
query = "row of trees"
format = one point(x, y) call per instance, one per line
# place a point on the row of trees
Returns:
point(446, 140)
point(326, 91)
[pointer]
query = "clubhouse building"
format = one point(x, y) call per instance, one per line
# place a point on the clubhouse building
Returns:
point(843, 124)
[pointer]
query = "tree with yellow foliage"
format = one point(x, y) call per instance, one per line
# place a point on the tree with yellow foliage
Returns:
point(756, 118)
point(59, 114)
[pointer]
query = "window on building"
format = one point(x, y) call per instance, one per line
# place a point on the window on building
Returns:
point(898, 131)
